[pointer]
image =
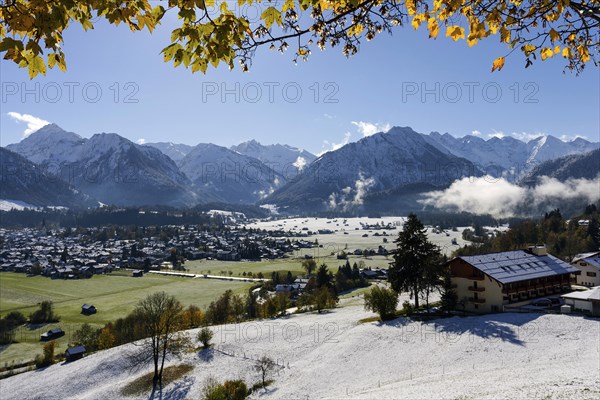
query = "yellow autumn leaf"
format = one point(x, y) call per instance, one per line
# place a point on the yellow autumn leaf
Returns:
point(528, 49)
point(471, 41)
point(546, 53)
point(498, 64)
point(417, 20)
point(434, 29)
point(455, 32)
point(554, 36)
point(566, 52)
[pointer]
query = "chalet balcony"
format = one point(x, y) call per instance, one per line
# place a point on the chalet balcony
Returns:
point(476, 289)
point(478, 301)
point(476, 277)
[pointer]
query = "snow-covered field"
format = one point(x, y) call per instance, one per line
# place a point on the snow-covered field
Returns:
point(350, 231)
point(327, 356)
point(7, 205)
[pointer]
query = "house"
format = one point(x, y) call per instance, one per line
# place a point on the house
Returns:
point(587, 301)
point(137, 273)
point(485, 283)
point(588, 265)
point(74, 353)
point(88, 309)
point(52, 334)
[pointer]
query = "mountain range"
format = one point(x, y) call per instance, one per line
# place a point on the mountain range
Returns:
point(395, 167)
point(508, 155)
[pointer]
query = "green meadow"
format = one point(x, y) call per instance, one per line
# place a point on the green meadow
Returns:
point(114, 295)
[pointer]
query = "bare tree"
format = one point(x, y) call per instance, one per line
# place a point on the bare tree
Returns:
point(265, 366)
point(160, 318)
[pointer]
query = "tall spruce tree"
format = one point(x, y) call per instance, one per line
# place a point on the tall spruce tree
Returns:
point(415, 258)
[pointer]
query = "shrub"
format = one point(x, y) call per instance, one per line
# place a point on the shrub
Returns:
point(383, 301)
point(205, 336)
point(87, 337)
point(229, 390)
point(7, 331)
point(44, 314)
point(17, 317)
point(47, 358)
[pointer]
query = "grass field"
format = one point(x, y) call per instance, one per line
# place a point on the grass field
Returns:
point(114, 295)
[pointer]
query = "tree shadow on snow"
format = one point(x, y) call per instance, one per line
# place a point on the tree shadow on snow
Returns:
point(206, 355)
point(507, 327)
point(179, 391)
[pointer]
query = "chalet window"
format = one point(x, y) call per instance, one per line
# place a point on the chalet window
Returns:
point(583, 264)
point(592, 274)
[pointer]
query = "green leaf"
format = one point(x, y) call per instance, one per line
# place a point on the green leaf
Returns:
point(270, 16)
point(36, 65)
point(200, 64)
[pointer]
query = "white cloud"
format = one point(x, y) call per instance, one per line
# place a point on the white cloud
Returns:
point(350, 197)
point(369, 128)
point(300, 163)
point(568, 138)
point(476, 133)
point(334, 146)
point(141, 141)
point(526, 137)
point(33, 123)
point(497, 134)
point(501, 199)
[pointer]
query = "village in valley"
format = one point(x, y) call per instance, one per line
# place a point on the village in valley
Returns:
point(281, 270)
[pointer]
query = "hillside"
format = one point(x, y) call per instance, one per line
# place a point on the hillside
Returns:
point(492, 356)
point(578, 166)
point(229, 176)
point(286, 160)
point(27, 184)
point(341, 179)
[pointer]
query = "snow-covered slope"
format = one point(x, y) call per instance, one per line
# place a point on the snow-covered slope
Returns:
point(331, 356)
point(50, 144)
point(175, 151)
point(576, 166)
point(507, 153)
point(109, 167)
point(384, 161)
point(229, 176)
point(286, 160)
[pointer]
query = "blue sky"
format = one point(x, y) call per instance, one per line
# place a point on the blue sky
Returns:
point(405, 79)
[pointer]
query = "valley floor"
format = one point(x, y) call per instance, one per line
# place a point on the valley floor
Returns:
point(327, 356)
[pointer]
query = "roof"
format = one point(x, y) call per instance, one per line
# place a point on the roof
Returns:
point(593, 254)
point(592, 294)
point(593, 261)
point(519, 265)
point(87, 306)
point(75, 350)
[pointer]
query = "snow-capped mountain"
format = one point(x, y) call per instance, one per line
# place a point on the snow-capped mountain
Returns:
point(286, 160)
point(575, 166)
point(109, 167)
point(175, 151)
point(229, 176)
point(50, 144)
point(506, 153)
point(26, 183)
point(342, 178)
